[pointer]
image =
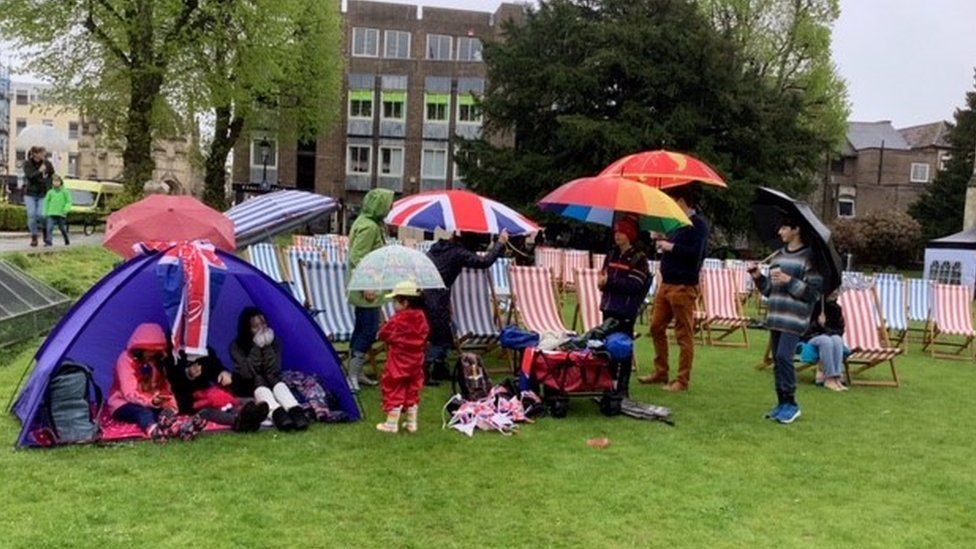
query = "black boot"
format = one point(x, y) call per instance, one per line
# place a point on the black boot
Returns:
point(429, 376)
point(250, 417)
point(297, 416)
point(282, 420)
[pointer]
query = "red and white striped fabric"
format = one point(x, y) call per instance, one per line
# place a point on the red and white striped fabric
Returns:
point(720, 295)
point(305, 241)
point(860, 309)
point(743, 281)
point(953, 309)
point(573, 260)
point(458, 210)
point(552, 259)
point(535, 299)
point(599, 260)
point(588, 297)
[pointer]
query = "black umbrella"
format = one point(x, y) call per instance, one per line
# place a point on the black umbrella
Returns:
point(772, 205)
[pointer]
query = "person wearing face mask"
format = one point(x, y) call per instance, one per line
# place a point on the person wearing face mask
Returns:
point(257, 362)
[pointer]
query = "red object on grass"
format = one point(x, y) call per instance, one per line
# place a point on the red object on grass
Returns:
point(162, 218)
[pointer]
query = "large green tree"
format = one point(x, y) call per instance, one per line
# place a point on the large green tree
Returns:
point(582, 82)
point(941, 207)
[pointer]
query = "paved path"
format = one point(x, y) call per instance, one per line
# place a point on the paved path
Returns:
point(20, 242)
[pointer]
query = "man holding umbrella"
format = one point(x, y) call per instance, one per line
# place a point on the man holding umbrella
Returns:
point(38, 172)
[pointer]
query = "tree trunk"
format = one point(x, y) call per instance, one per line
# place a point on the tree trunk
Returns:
point(227, 130)
point(137, 161)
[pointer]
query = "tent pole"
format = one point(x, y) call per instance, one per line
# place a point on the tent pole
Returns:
point(10, 401)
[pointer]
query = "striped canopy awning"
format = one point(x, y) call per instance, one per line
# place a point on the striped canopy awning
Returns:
point(265, 216)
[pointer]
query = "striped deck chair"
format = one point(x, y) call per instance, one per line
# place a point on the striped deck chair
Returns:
point(599, 260)
point(304, 241)
point(325, 285)
point(865, 334)
point(500, 284)
point(552, 259)
point(573, 260)
point(854, 279)
point(476, 320)
point(722, 309)
point(534, 299)
point(295, 255)
point(265, 257)
point(952, 315)
point(712, 263)
point(653, 267)
point(588, 297)
point(744, 285)
point(894, 309)
point(919, 306)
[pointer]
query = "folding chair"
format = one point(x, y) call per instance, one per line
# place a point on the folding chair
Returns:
point(587, 300)
point(265, 257)
point(573, 260)
point(534, 299)
point(476, 319)
point(325, 285)
point(722, 309)
point(551, 259)
point(501, 287)
point(952, 315)
point(894, 310)
point(712, 263)
point(919, 305)
point(295, 256)
point(866, 336)
point(744, 285)
point(599, 260)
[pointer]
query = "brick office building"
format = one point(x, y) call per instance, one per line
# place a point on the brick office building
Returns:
point(411, 77)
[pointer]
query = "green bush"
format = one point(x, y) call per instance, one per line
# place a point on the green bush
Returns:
point(13, 218)
point(882, 239)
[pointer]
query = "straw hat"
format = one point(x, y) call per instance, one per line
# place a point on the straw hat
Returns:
point(406, 288)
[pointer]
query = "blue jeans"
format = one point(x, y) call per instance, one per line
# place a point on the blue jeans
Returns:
point(140, 415)
point(783, 345)
point(35, 213)
point(831, 350)
point(59, 221)
point(364, 332)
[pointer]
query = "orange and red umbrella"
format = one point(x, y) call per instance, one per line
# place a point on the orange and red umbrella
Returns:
point(162, 218)
point(662, 169)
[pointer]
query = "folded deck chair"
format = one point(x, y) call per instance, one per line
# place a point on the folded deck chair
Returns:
point(712, 263)
point(573, 260)
point(295, 255)
point(325, 285)
point(476, 320)
point(588, 297)
point(866, 336)
point(952, 317)
point(534, 300)
point(552, 259)
point(722, 309)
point(265, 257)
point(894, 310)
point(919, 306)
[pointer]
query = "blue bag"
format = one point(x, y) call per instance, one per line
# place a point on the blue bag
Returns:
point(620, 346)
point(513, 337)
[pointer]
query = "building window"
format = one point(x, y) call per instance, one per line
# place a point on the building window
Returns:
point(438, 105)
point(391, 161)
point(397, 44)
point(920, 172)
point(21, 124)
point(365, 42)
point(469, 49)
point(48, 123)
point(258, 154)
point(845, 207)
point(23, 98)
point(433, 163)
point(73, 165)
point(439, 47)
point(944, 159)
point(468, 112)
point(361, 104)
point(394, 105)
point(357, 159)
point(72, 130)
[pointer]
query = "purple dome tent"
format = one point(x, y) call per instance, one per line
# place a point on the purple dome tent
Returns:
point(97, 328)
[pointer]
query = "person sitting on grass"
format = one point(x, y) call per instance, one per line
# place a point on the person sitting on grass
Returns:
point(793, 286)
point(202, 385)
point(257, 362)
point(826, 334)
point(140, 393)
point(405, 335)
point(57, 204)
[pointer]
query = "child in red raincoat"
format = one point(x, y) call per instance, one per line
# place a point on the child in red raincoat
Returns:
point(405, 335)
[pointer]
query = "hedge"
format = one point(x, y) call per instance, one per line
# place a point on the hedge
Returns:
point(13, 218)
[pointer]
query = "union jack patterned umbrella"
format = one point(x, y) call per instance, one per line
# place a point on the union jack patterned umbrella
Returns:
point(458, 211)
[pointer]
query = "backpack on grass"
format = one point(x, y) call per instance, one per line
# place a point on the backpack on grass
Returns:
point(470, 379)
point(73, 404)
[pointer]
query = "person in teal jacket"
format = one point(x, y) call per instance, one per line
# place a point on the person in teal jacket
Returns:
point(57, 204)
point(366, 234)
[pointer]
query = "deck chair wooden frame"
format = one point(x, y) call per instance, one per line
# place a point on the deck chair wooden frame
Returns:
point(474, 311)
point(534, 300)
point(722, 310)
point(951, 316)
point(866, 335)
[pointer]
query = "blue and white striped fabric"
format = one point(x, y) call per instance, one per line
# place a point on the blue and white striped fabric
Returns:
point(499, 277)
point(264, 256)
point(267, 215)
point(712, 263)
point(327, 297)
point(891, 291)
point(387, 311)
point(295, 255)
point(919, 299)
point(473, 310)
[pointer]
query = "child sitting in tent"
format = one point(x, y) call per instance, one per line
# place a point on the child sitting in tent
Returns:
point(257, 362)
point(405, 335)
point(201, 384)
point(140, 393)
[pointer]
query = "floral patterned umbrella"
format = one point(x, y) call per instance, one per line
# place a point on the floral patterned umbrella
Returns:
point(382, 269)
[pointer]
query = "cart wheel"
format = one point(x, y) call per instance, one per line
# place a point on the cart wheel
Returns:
point(558, 406)
point(88, 229)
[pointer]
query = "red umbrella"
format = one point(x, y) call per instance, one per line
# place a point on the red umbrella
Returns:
point(663, 169)
point(162, 218)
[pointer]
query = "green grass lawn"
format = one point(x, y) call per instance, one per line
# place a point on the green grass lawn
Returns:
point(868, 468)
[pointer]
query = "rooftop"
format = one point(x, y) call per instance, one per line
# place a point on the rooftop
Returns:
point(872, 135)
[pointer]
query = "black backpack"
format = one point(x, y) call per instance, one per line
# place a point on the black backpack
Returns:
point(470, 378)
point(74, 402)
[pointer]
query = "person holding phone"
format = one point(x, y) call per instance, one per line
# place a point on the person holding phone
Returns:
point(793, 287)
point(38, 172)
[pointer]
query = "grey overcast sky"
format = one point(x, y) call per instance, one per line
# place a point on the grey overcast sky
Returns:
point(908, 61)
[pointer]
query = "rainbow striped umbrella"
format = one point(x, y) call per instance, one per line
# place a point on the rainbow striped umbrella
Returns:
point(597, 199)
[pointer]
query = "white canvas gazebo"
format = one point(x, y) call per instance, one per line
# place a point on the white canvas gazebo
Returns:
point(952, 259)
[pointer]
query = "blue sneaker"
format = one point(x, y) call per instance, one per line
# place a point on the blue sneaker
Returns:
point(788, 413)
point(774, 412)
